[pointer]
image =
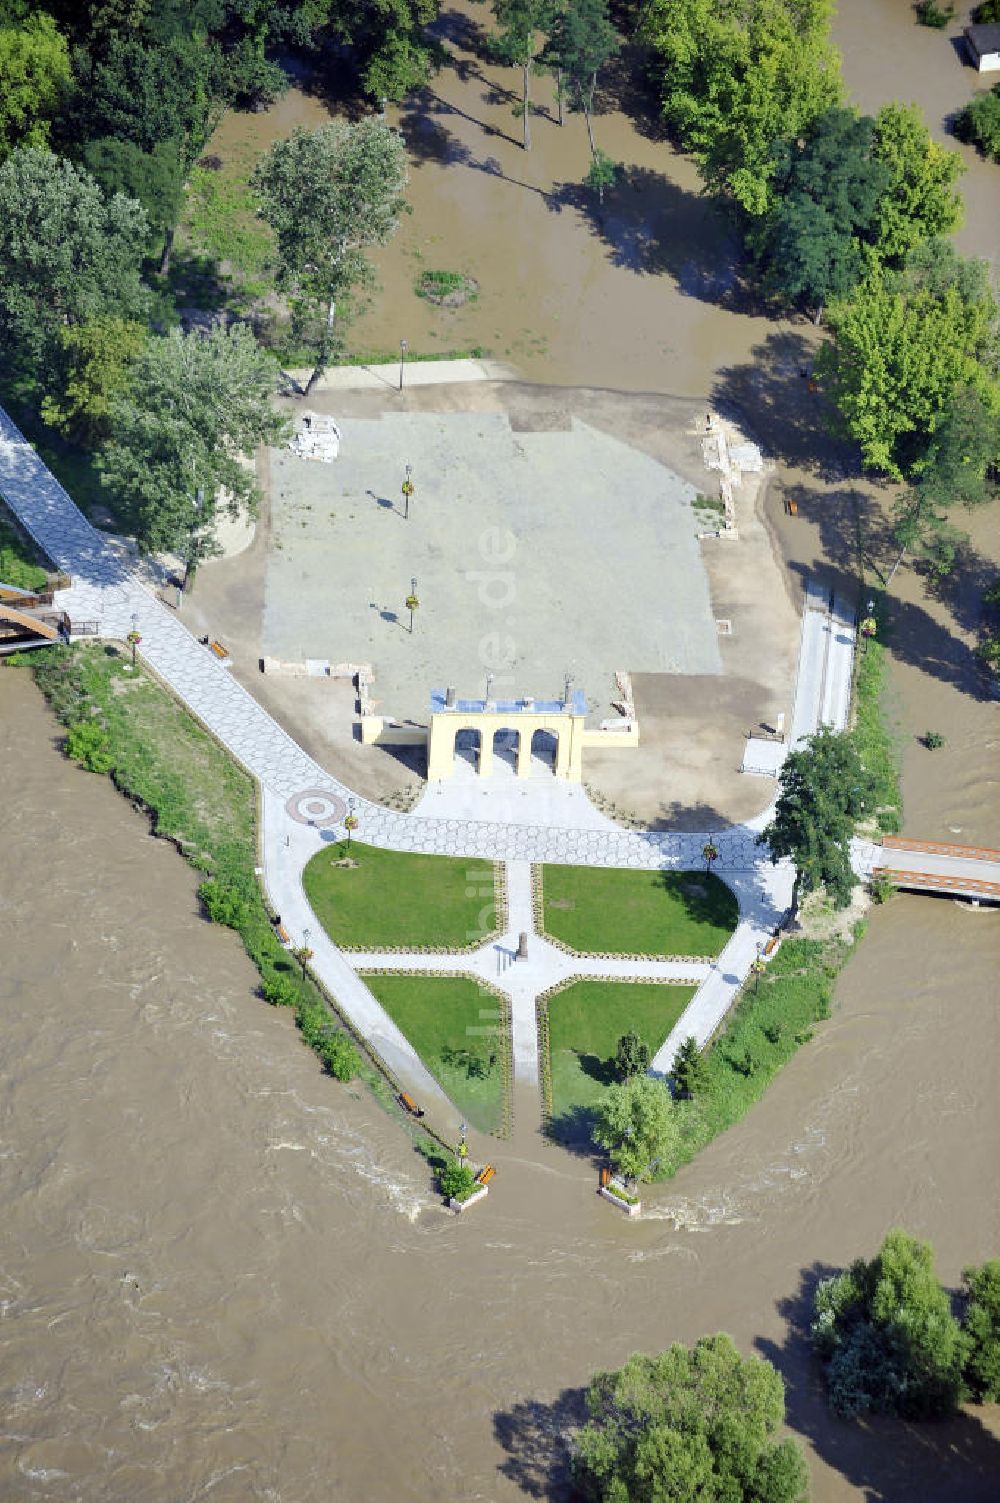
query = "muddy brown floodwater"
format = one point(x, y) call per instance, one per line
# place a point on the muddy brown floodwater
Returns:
point(223, 1276)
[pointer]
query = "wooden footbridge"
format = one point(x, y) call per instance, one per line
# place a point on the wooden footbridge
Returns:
point(28, 618)
point(957, 871)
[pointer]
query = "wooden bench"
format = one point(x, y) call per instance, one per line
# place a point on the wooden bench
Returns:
point(485, 1174)
point(408, 1104)
point(218, 649)
point(771, 945)
point(283, 934)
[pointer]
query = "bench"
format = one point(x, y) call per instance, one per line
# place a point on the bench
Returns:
point(282, 934)
point(771, 945)
point(219, 651)
point(408, 1104)
point(485, 1175)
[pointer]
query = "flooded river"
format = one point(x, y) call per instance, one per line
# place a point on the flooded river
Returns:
point(225, 1277)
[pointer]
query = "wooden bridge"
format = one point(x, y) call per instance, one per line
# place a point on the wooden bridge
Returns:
point(959, 871)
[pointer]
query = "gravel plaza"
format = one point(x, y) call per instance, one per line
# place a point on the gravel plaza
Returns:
point(536, 555)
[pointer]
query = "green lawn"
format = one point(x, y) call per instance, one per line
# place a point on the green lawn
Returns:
point(454, 1026)
point(585, 1023)
point(17, 556)
point(372, 899)
point(598, 909)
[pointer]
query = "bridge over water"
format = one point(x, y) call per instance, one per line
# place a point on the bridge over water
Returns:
point(957, 871)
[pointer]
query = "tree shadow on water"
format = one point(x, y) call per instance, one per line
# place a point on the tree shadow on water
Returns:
point(537, 1438)
point(887, 1460)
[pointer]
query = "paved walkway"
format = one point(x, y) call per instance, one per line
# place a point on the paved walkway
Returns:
point(304, 806)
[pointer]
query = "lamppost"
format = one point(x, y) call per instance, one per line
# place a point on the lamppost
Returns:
point(489, 687)
point(135, 636)
point(412, 602)
point(567, 690)
point(350, 824)
point(757, 968)
point(463, 1147)
point(305, 954)
point(408, 486)
point(710, 851)
point(403, 347)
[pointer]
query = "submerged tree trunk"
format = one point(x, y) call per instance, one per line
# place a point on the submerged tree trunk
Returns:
point(588, 105)
point(324, 349)
point(168, 245)
point(899, 559)
point(818, 317)
point(559, 94)
point(526, 71)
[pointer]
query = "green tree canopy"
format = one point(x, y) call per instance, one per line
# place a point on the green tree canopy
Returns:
point(920, 200)
point(689, 1069)
point(581, 40)
point(902, 345)
point(740, 78)
point(887, 1335)
point(67, 254)
point(979, 123)
point(518, 43)
point(694, 1425)
point(194, 412)
point(828, 189)
point(982, 1330)
point(35, 77)
point(97, 357)
point(631, 1056)
point(154, 178)
point(635, 1123)
point(823, 791)
point(329, 194)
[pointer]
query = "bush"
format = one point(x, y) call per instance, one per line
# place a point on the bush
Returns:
point(87, 742)
point(341, 1058)
point(979, 123)
point(280, 992)
point(932, 740)
point(224, 903)
point(982, 1331)
point(456, 1180)
point(929, 13)
point(881, 889)
point(887, 1334)
point(987, 12)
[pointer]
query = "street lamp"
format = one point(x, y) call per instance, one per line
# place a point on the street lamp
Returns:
point(134, 636)
point(463, 1147)
point(710, 851)
point(412, 602)
point(350, 824)
point(408, 486)
point(489, 686)
point(305, 954)
point(403, 347)
point(757, 967)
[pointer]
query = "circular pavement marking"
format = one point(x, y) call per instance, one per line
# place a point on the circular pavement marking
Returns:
point(314, 806)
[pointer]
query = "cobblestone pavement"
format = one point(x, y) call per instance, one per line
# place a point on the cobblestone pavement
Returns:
point(106, 590)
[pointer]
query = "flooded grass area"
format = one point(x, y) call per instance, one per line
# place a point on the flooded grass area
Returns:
point(453, 1022)
point(370, 899)
point(598, 910)
point(586, 1020)
point(19, 563)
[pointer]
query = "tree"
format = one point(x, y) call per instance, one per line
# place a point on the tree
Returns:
point(632, 1056)
point(689, 1069)
point(456, 1180)
point(518, 44)
point(740, 78)
point(902, 344)
point(328, 194)
point(688, 1426)
point(957, 470)
point(155, 178)
point(581, 40)
point(35, 77)
point(97, 357)
point(920, 200)
point(887, 1335)
point(982, 1331)
point(67, 255)
point(828, 187)
point(195, 410)
point(979, 123)
point(635, 1123)
point(824, 791)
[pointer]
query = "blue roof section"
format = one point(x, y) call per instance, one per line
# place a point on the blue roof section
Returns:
point(578, 700)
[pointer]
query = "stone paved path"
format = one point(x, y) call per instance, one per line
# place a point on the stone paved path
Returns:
point(304, 806)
